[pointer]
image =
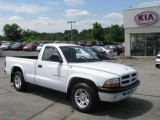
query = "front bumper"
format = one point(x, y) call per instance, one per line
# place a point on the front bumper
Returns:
point(118, 94)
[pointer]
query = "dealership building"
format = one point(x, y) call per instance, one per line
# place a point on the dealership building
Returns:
point(142, 31)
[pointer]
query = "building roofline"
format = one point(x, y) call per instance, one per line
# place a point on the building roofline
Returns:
point(140, 8)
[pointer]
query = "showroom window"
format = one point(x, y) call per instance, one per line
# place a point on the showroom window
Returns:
point(145, 44)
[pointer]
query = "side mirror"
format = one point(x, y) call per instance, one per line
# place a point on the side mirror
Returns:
point(56, 58)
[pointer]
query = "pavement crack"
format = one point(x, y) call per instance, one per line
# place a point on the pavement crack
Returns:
point(36, 114)
point(147, 95)
point(4, 77)
point(5, 89)
point(72, 111)
point(7, 93)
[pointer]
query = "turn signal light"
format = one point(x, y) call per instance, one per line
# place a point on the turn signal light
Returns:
point(116, 85)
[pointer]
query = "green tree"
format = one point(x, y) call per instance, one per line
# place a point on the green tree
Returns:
point(12, 32)
point(108, 39)
point(117, 33)
point(98, 32)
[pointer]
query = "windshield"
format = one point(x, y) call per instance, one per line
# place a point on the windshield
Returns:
point(78, 54)
point(16, 44)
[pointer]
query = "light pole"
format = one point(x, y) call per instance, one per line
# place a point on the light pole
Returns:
point(71, 22)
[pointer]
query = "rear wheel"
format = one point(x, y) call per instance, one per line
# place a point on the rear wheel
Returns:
point(18, 81)
point(84, 98)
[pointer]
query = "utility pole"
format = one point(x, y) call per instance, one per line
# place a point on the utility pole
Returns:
point(71, 22)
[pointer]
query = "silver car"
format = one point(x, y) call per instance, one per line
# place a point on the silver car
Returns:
point(39, 47)
point(158, 60)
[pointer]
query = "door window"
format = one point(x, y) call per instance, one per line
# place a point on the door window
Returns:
point(51, 54)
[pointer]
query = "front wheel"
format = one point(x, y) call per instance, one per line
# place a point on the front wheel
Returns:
point(18, 81)
point(84, 98)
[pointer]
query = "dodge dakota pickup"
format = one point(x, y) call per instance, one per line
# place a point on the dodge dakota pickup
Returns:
point(74, 70)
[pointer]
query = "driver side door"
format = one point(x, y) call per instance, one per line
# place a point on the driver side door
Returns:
point(51, 72)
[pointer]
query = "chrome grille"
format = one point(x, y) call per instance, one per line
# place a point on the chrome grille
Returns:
point(128, 79)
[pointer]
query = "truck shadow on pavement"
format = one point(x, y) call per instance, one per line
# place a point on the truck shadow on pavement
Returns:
point(126, 109)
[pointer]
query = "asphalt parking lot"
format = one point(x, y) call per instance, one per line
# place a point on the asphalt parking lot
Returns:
point(39, 103)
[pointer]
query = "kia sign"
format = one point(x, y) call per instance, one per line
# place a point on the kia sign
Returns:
point(146, 18)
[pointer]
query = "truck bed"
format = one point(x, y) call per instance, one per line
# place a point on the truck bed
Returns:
point(26, 63)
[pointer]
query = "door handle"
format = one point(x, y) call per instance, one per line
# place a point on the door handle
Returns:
point(39, 66)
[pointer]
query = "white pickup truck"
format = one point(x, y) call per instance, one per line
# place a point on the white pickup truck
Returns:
point(72, 69)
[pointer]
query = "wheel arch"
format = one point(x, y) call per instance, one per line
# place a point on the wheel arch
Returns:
point(76, 80)
point(14, 69)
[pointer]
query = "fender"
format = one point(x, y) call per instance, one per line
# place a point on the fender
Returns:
point(84, 76)
point(21, 67)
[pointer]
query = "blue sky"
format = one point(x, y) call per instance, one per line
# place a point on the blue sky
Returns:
point(52, 15)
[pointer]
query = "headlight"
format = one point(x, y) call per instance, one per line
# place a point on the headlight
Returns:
point(112, 83)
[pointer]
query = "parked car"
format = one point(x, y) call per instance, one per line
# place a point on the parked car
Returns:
point(2, 42)
point(57, 41)
point(39, 47)
point(98, 52)
point(24, 43)
point(118, 50)
point(84, 79)
point(6, 46)
point(99, 43)
point(108, 52)
point(30, 47)
point(81, 43)
point(158, 60)
point(17, 46)
point(111, 48)
point(89, 43)
point(71, 42)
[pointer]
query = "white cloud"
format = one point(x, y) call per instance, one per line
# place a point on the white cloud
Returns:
point(149, 4)
point(113, 15)
point(22, 8)
point(114, 18)
point(75, 12)
point(40, 21)
point(53, 3)
point(41, 24)
point(73, 2)
point(46, 24)
point(15, 18)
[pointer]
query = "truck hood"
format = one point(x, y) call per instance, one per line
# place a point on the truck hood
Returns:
point(114, 68)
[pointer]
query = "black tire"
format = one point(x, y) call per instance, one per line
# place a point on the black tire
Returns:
point(19, 82)
point(158, 65)
point(89, 95)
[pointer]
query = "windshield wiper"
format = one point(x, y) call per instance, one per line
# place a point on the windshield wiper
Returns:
point(85, 60)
